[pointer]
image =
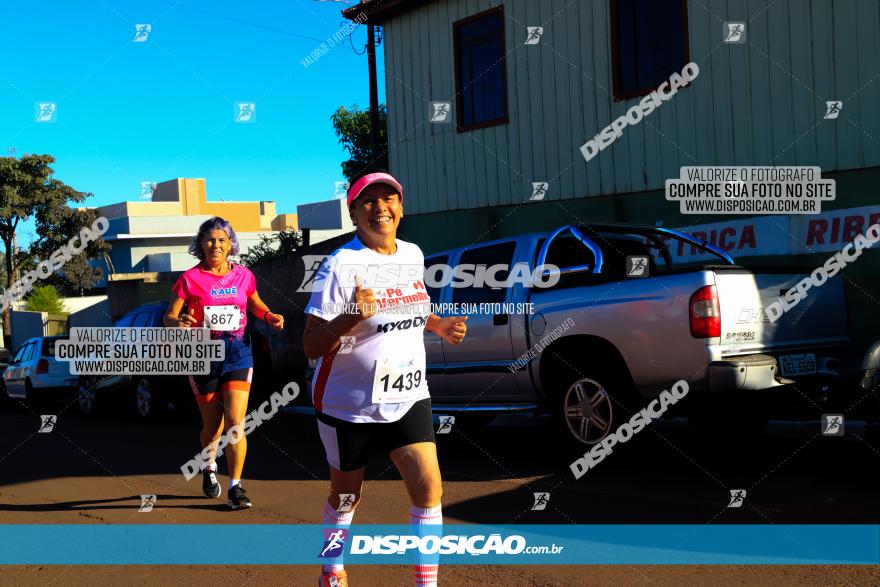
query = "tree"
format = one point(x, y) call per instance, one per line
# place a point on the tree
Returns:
point(273, 246)
point(77, 276)
point(353, 129)
point(45, 298)
point(28, 189)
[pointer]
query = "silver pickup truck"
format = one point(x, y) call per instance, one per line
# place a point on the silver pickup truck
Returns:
point(626, 319)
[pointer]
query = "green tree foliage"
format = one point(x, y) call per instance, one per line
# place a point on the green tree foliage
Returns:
point(353, 129)
point(77, 276)
point(45, 298)
point(28, 189)
point(273, 246)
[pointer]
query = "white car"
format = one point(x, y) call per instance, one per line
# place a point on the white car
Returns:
point(35, 374)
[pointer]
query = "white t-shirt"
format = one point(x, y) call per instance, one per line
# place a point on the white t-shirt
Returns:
point(378, 372)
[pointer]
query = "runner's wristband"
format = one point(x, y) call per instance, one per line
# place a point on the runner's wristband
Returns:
point(264, 316)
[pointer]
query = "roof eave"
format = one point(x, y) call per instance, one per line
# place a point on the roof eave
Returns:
point(378, 11)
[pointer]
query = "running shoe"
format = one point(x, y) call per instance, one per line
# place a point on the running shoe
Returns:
point(336, 579)
point(238, 499)
point(209, 484)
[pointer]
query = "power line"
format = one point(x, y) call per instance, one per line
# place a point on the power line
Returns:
point(240, 21)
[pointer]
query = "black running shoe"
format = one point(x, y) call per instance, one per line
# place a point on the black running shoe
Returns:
point(209, 484)
point(238, 498)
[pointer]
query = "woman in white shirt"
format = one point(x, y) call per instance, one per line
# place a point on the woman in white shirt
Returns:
point(370, 387)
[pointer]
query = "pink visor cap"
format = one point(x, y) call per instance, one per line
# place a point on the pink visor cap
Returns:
point(368, 180)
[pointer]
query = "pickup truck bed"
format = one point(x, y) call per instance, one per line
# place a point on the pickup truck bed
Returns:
point(627, 337)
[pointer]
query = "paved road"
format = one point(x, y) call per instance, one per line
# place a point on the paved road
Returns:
point(94, 470)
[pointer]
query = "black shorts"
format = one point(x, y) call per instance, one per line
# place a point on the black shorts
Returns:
point(348, 444)
point(206, 386)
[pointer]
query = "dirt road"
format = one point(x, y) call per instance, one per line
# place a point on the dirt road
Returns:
point(93, 471)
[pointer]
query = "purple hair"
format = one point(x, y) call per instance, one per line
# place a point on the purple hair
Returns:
point(215, 223)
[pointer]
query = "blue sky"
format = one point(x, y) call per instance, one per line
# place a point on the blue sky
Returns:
point(129, 112)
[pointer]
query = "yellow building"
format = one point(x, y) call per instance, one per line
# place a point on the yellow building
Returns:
point(154, 236)
point(188, 197)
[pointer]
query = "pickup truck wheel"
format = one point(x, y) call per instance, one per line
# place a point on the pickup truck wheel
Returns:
point(589, 393)
point(586, 409)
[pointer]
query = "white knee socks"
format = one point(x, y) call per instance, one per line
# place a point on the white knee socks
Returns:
point(426, 565)
point(333, 518)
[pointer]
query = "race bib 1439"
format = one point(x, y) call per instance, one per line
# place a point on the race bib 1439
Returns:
point(398, 380)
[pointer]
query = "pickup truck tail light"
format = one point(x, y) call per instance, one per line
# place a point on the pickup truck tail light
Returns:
point(704, 313)
point(42, 366)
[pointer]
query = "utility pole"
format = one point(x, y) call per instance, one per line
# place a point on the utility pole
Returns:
point(371, 66)
point(374, 93)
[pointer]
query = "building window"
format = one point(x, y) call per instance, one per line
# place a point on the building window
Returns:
point(649, 42)
point(480, 72)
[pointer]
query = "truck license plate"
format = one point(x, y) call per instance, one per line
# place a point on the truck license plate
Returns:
point(797, 364)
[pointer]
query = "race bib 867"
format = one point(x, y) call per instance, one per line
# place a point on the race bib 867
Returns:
point(222, 317)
